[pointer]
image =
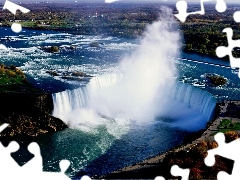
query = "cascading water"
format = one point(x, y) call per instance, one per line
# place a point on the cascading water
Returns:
point(195, 98)
point(200, 102)
point(66, 101)
point(126, 104)
point(138, 91)
point(132, 97)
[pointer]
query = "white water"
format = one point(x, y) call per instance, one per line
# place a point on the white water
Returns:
point(190, 107)
point(66, 101)
point(195, 98)
point(137, 92)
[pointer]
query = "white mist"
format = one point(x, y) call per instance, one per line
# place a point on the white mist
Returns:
point(146, 77)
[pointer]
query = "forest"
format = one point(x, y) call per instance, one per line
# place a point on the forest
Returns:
point(201, 33)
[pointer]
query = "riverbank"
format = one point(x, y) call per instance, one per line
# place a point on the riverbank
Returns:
point(160, 165)
point(25, 108)
point(28, 114)
point(119, 35)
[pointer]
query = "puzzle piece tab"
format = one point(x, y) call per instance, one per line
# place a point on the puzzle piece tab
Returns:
point(9, 168)
point(181, 6)
point(6, 159)
point(177, 171)
point(159, 178)
point(222, 51)
point(236, 16)
point(227, 150)
point(85, 178)
point(12, 7)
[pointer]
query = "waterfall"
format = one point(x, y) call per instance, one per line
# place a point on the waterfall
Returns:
point(137, 93)
point(66, 101)
point(195, 98)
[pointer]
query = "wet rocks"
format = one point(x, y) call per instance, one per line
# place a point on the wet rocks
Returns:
point(215, 80)
point(75, 75)
point(29, 114)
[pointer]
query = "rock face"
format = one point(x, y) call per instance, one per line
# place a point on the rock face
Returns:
point(29, 114)
point(216, 80)
point(51, 49)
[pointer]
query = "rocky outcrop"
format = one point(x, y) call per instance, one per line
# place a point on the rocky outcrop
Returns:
point(29, 114)
point(215, 80)
point(71, 76)
point(51, 49)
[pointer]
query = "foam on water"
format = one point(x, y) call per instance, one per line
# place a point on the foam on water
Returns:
point(142, 89)
point(120, 46)
point(26, 53)
point(132, 93)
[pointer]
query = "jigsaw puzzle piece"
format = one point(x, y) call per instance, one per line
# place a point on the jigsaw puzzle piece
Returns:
point(88, 178)
point(4, 125)
point(9, 168)
point(35, 164)
point(177, 171)
point(221, 6)
point(157, 178)
point(5, 155)
point(12, 7)
point(181, 7)
point(220, 150)
point(227, 150)
point(6, 159)
point(223, 176)
point(236, 16)
point(53, 175)
point(64, 165)
point(222, 51)
point(29, 174)
point(235, 172)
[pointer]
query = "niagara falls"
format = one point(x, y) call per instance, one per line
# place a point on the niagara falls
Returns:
point(119, 89)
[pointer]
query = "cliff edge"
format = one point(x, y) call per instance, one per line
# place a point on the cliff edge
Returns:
point(26, 108)
point(28, 114)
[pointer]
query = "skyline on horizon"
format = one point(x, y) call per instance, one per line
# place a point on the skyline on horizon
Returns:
point(190, 1)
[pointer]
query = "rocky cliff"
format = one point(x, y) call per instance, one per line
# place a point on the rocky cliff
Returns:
point(29, 114)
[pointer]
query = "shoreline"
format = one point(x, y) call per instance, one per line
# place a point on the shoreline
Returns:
point(153, 162)
point(26, 108)
point(226, 59)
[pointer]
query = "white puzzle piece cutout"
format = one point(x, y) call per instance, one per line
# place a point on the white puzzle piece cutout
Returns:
point(236, 16)
point(222, 51)
point(177, 171)
point(181, 7)
point(9, 168)
point(228, 150)
point(85, 178)
point(159, 178)
point(12, 7)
